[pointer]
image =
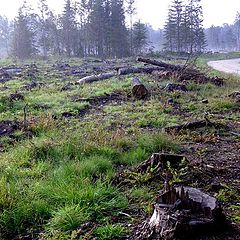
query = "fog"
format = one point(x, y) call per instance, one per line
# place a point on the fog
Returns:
point(154, 12)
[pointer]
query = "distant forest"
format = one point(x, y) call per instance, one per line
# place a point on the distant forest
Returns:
point(105, 29)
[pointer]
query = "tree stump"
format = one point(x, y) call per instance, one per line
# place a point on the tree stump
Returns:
point(139, 91)
point(182, 213)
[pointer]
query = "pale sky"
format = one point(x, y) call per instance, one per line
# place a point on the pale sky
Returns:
point(216, 12)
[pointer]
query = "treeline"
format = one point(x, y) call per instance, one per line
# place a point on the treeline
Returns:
point(98, 28)
point(224, 38)
point(85, 28)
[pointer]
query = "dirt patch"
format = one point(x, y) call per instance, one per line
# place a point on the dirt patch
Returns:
point(4, 76)
point(16, 97)
point(95, 103)
point(218, 159)
point(8, 127)
point(30, 86)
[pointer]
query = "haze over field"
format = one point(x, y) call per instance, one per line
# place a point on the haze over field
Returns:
point(216, 12)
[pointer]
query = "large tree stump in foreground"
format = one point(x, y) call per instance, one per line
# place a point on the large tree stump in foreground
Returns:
point(139, 91)
point(182, 213)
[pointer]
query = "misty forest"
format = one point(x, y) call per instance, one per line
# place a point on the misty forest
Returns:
point(113, 129)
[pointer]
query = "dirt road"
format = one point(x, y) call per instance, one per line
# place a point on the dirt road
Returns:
point(228, 66)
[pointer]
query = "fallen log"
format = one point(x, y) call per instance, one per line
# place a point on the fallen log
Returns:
point(161, 64)
point(139, 91)
point(189, 126)
point(181, 72)
point(98, 77)
point(130, 70)
point(121, 71)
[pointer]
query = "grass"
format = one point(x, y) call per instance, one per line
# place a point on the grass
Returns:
point(110, 231)
point(64, 178)
point(60, 176)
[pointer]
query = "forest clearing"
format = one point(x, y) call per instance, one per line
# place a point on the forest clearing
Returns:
point(119, 119)
point(70, 153)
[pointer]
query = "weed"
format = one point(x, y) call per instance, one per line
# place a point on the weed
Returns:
point(110, 231)
point(67, 218)
point(228, 194)
point(235, 216)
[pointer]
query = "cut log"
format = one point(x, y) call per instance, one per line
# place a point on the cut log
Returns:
point(121, 71)
point(98, 77)
point(189, 125)
point(130, 70)
point(161, 64)
point(139, 91)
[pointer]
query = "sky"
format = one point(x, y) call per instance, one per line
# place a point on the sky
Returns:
point(154, 12)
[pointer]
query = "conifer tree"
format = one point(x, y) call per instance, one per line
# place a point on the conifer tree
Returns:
point(23, 42)
point(68, 22)
point(120, 46)
point(183, 28)
point(139, 37)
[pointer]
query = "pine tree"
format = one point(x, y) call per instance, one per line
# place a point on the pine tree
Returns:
point(44, 27)
point(23, 42)
point(139, 37)
point(68, 28)
point(120, 46)
point(107, 28)
point(237, 30)
point(131, 10)
point(197, 40)
point(169, 33)
point(97, 26)
point(183, 29)
point(5, 33)
point(177, 21)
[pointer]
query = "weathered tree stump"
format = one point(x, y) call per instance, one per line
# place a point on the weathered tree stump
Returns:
point(139, 91)
point(181, 213)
